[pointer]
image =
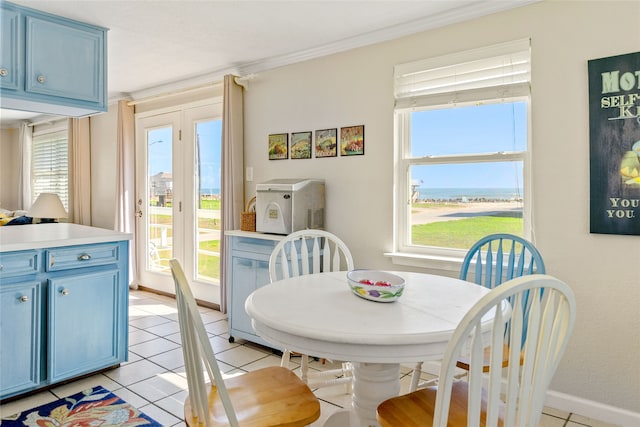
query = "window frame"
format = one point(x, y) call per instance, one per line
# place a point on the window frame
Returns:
point(441, 258)
point(49, 135)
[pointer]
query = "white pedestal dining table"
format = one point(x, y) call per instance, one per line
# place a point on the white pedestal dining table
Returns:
point(318, 315)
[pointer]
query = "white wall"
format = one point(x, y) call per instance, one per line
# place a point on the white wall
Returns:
point(103, 168)
point(355, 88)
point(9, 173)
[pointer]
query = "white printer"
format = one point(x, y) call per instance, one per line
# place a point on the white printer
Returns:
point(287, 205)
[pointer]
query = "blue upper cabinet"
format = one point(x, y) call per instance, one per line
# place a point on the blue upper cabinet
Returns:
point(51, 64)
point(11, 50)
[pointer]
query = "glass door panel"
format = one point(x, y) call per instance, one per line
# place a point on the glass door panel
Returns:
point(160, 199)
point(208, 166)
point(178, 199)
point(157, 171)
point(202, 150)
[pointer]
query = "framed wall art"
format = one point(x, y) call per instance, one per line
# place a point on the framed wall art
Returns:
point(352, 141)
point(301, 145)
point(614, 144)
point(326, 143)
point(278, 146)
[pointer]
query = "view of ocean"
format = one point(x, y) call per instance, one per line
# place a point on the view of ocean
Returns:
point(210, 191)
point(469, 194)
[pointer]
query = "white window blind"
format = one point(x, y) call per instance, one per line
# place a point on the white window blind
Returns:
point(502, 70)
point(50, 166)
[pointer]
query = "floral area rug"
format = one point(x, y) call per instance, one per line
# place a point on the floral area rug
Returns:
point(96, 407)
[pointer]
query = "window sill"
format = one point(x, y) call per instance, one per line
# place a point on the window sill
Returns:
point(431, 262)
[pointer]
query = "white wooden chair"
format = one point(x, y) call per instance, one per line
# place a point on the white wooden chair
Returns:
point(272, 396)
point(510, 397)
point(491, 261)
point(307, 252)
point(157, 263)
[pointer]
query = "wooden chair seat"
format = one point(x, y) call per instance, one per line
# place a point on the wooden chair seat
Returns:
point(416, 409)
point(273, 396)
point(267, 397)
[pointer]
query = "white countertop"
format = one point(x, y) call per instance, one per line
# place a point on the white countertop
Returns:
point(37, 236)
point(254, 235)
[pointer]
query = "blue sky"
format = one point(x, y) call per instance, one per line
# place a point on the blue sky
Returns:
point(159, 141)
point(476, 129)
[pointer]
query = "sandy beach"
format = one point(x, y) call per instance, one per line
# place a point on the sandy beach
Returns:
point(465, 210)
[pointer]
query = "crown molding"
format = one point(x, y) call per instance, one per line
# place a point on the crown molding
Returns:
point(465, 11)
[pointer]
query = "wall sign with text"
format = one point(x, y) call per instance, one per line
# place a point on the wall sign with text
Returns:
point(614, 134)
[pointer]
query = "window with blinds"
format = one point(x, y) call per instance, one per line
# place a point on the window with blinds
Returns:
point(461, 126)
point(493, 72)
point(50, 166)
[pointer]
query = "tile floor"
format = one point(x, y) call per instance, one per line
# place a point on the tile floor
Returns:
point(153, 379)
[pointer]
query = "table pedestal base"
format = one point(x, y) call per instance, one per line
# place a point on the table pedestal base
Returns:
point(373, 383)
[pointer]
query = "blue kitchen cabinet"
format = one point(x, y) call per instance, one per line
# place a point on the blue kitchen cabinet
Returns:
point(87, 299)
point(63, 313)
point(84, 324)
point(20, 340)
point(10, 50)
point(248, 270)
point(51, 64)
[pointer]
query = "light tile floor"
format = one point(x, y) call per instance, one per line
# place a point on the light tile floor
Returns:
point(153, 378)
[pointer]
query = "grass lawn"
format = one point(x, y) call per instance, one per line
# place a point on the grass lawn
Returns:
point(463, 233)
point(459, 234)
point(209, 265)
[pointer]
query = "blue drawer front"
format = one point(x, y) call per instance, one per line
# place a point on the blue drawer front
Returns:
point(19, 263)
point(81, 256)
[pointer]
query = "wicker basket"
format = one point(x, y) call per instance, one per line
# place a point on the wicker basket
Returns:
point(248, 217)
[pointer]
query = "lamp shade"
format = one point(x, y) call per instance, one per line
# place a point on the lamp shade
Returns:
point(47, 205)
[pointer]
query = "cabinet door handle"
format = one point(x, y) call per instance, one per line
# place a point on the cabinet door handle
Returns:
point(84, 257)
point(64, 292)
point(41, 79)
point(24, 298)
point(1, 267)
point(4, 72)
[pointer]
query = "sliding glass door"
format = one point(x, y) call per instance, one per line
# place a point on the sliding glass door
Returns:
point(178, 181)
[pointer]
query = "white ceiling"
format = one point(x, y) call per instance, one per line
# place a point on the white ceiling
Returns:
point(154, 45)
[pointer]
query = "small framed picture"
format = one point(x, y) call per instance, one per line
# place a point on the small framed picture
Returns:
point(326, 143)
point(352, 141)
point(278, 146)
point(301, 145)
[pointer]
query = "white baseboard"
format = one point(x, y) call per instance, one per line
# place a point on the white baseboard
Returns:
point(592, 409)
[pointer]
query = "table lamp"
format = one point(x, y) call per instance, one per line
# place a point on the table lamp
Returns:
point(48, 208)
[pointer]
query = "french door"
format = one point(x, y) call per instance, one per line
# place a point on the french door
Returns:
point(178, 198)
